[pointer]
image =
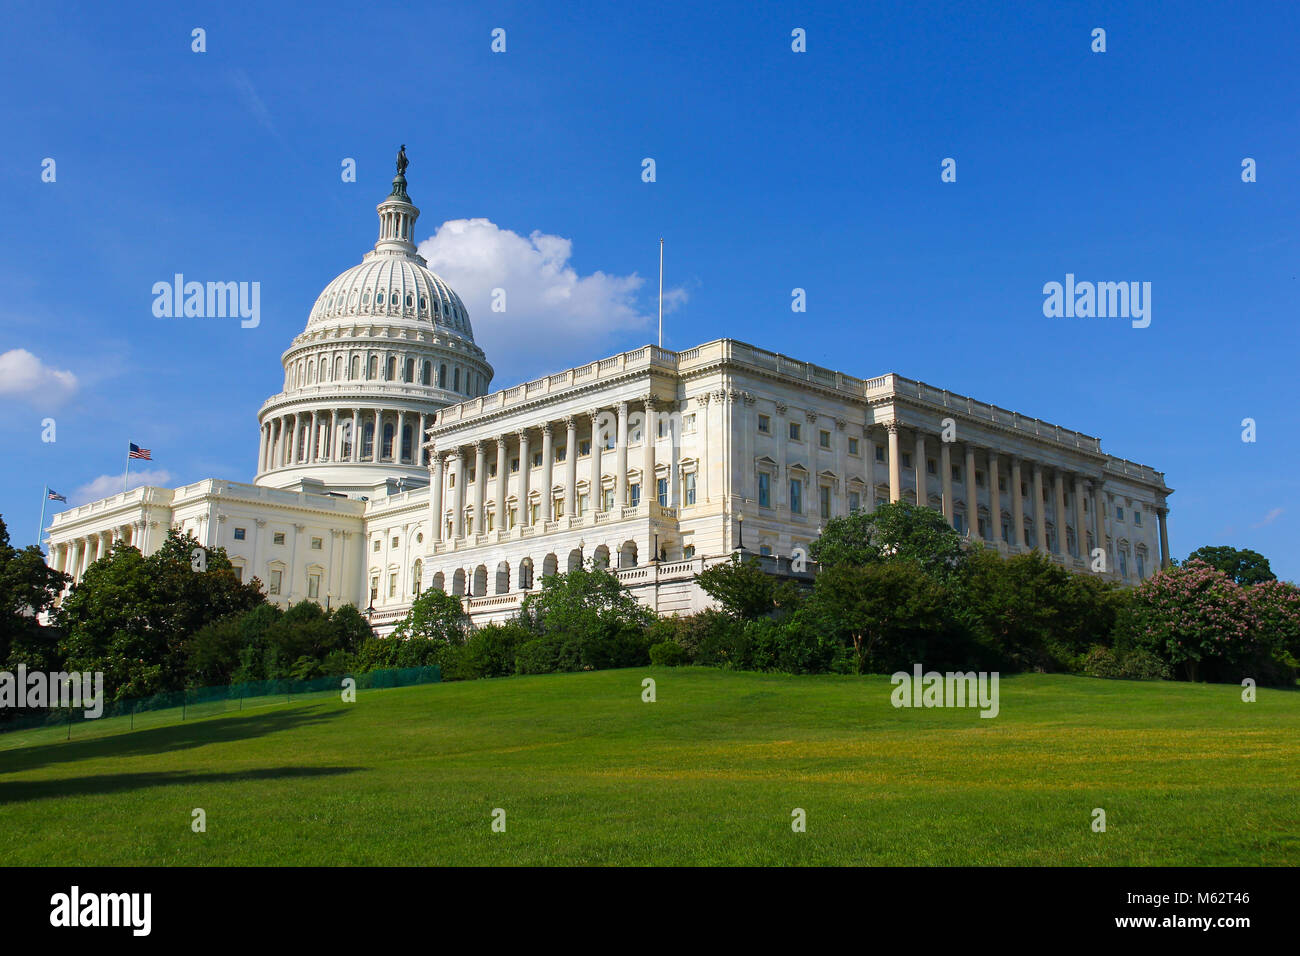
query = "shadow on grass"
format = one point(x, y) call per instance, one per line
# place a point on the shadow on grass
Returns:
point(137, 743)
point(18, 791)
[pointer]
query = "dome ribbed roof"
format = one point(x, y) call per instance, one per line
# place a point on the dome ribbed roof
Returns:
point(391, 286)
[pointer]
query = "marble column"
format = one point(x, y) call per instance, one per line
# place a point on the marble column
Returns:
point(1080, 521)
point(458, 517)
point(596, 493)
point(1017, 506)
point(895, 463)
point(571, 466)
point(922, 494)
point(945, 479)
point(435, 495)
point(620, 459)
point(525, 466)
point(1058, 488)
point(995, 501)
point(972, 494)
point(293, 441)
point(1040, 510)
point(1099, 520)
point(1163, 514)
point(649, 433)
point(503, 475)
point(356, 435)
point(377, 445)
point(548, 473)
point(399, 446)
point(480, 487)
point(334, 435)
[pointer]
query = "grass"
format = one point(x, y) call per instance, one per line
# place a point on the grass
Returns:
point(708, 774)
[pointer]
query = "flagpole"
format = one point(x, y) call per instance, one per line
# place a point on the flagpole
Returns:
point(661, 292)
point(40, 532)
point(126, 474)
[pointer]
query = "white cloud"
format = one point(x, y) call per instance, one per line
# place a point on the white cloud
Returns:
point(23, 375)
point(107, 485)
point(1269, 518)
point(554, 317)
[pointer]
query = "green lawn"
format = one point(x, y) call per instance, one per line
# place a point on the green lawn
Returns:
point(589, 774)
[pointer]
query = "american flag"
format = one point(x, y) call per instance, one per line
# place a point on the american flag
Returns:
point(55, 496)
point(138, 452)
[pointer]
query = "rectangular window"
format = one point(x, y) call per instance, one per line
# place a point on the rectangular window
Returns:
point(853, 446)
point(796, 496)
point(377, 545)
point(1002, 484)
point(239, 573)
point(634, 494)
point(662, 425)
point(1137, 516)
point(662, 486)
point(374, 588)
point(561, 453)
point(316, 544)
point(959, 523)
point(956, 473)
point(907, 460)
point(392, 584)
point(608, 500)
point(824, 438)
point(1024, 490)
point(394, 544)
point(930, 467)
point(514, 465)
point(278, 538)
point(765, 424)
point(855, 501)
point(1119, 513)
point(534, 510)
point(764, 490)
point(1123, 563)
point(239, 534)
point(825, 492)
point(688, 423)
point(688, 488)
point(584, 502)
point(1142, 565)
point(979, 479)
point(795, 431)
point(313, 585)
point(491, 521)
point(537, 459)
point(276, 576)
point(880, 453)
point(584, 448)
point(492, 470)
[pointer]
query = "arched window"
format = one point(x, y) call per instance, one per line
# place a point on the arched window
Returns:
point(368, 440)
point(456, 381)
point(406, 439)
point(356, 367)
point(442, 376)
point(391, 373)
point(427, 371)
point(338, 368)
point(409, 300)
point(374, 367)
point(386, 450)
point(410, 370)
point(417, 576)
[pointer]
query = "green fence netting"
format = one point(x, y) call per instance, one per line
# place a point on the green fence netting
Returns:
point(172, 706)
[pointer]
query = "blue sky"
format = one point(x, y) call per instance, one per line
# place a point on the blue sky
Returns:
point(775, 170)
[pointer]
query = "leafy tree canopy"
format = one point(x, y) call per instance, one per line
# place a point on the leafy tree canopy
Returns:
point(899, 531)
point(1241, 564)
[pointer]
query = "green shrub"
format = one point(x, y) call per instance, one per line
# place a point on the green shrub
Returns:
point(668, 654)
point(491, 650)
point(1100, 661)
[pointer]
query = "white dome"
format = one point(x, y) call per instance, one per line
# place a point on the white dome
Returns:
point(389, 286)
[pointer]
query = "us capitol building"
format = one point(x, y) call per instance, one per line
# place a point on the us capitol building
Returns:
point(386, 465)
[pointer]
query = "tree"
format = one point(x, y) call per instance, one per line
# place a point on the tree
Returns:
point(893, 613)
point(745, 590)
point(28, 587)
point(583, 620)
point(1195, 617)
point(900, 531)
point(1031, 613)
point(131, 615)
point(1241, 564)
point(432, 633)
point(1277, 611)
